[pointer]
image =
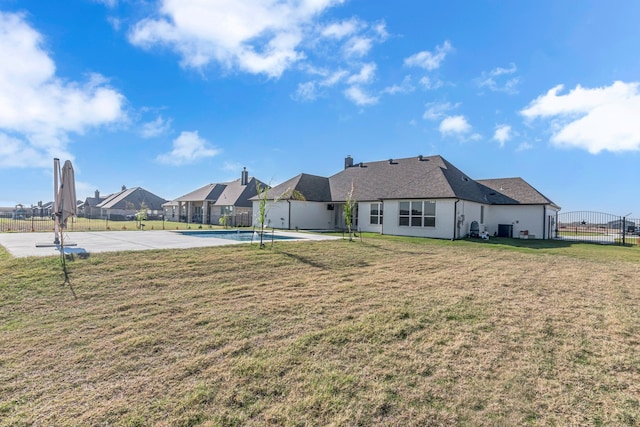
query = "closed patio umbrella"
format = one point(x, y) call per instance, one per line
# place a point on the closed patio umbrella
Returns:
point(67, 202)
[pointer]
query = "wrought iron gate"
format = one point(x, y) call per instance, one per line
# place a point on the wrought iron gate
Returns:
point(597, 227)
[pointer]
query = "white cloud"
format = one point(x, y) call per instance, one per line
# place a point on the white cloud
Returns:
point(307, 91)
point(493, 81)
point(454, 125)
point(429, 84)
point(358, 46)
point(340, 30)
point(405, 87)
point(437, 110)
point(604, 118)
point(108, 3)
point(359, 97)
point(38, 110)
point(334, 78)
point(155, 128)
point(502, 134)
point(188, 148)
point(366, 74)
point(524, 146)
point(256, 36)
point(17, 153)
point(428, 60)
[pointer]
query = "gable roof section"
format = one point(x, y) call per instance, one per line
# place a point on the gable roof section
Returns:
point(209, 192)
point(517, 190)
point(132, 197)
point(236, 194)
point(410, 178)
point(420, 177)
point(93, 201)
point(314, 188)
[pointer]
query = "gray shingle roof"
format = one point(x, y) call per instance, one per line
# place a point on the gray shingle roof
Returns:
point(236, 194)
point(132, 198)
point(209, 192)
point(314, 188)
point(517, 190)
point(420, 177)
point(409, 178)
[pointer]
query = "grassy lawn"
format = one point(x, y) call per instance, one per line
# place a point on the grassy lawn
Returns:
point(387, 331)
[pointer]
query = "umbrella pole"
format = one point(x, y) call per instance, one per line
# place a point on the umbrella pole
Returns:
point(63, 259)
point(56, 226)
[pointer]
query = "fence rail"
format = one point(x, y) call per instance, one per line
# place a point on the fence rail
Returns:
point(41, 224)
point(598, 227)
point(45, 223)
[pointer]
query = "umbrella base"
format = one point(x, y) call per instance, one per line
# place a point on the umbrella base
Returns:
point(54, 245)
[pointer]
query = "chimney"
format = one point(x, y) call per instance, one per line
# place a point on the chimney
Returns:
point(244, 177)
point(124, 187)
point(97, 194)
point(348, 162)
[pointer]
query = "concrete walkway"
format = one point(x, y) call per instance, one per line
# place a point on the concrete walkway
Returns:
point(82, 243)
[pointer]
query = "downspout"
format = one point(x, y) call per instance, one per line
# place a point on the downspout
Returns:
point(455, 219)
point(382, 217)
point(289, 216)
point(544, 222)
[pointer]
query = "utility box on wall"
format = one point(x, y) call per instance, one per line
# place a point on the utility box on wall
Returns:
point(505, 230)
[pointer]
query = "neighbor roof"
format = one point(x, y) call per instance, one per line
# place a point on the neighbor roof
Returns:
point(132, 197)
point(223, 194)
point(236, 194)
point(209, 192)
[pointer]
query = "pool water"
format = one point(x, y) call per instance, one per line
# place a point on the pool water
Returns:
point(237, 235)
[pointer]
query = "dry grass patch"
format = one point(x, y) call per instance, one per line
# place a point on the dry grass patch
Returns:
point(329, 333)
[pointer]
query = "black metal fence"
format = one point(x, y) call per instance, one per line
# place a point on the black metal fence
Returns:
point(598, 227)
point(45, 223)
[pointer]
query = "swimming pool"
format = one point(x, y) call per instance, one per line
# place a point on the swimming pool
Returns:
point(237, 235)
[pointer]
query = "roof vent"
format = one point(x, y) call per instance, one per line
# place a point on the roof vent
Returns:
point(465, 179)
point(391, 162)
point(422, 158)
point(362, 165)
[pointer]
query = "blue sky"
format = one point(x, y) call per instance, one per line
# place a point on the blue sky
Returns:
point(170, 95)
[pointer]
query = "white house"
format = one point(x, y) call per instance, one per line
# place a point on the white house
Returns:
point(417, 196)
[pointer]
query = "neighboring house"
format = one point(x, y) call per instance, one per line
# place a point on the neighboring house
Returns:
point(89, 208)
point(418, 196)
point(118, 206)
point(208, 204)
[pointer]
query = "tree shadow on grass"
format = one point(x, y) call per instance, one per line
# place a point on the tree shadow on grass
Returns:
point(304, 260)
point(532, 243)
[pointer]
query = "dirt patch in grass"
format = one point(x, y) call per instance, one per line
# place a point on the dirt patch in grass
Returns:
point(384, 332)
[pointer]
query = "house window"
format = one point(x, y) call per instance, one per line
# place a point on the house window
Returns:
point(481, 214)
point(376, 213)
point(417, 214)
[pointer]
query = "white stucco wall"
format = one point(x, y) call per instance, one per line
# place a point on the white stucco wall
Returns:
point(316, 216)
point(522, 217)
point(364, 214)
point(442, 230)
point(291, 214)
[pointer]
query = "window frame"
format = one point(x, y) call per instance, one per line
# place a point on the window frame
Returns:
point(417, 213)
point(378, 215)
